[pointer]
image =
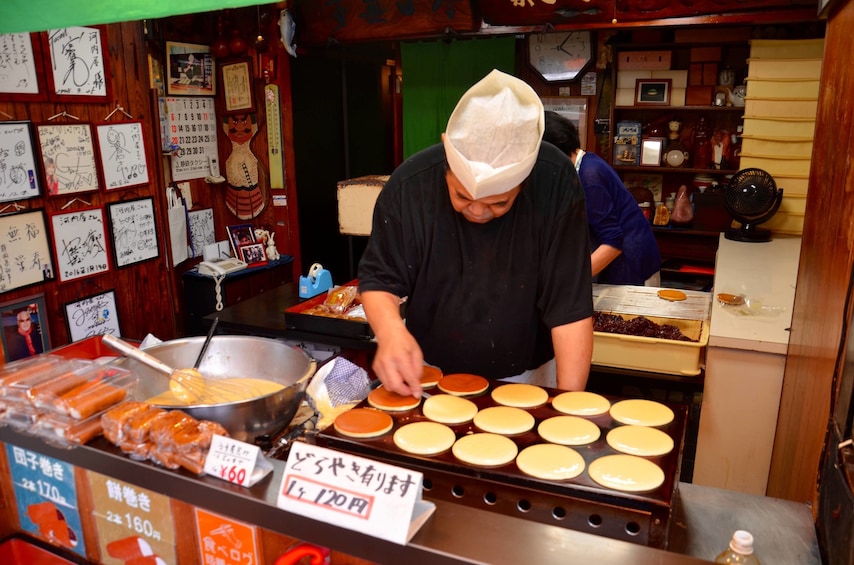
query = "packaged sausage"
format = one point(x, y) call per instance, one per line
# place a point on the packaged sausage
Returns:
point(164, 427)
point(137, 426)
point(113, 420)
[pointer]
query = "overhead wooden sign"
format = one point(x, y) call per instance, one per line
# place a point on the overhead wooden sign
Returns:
point(356, 20)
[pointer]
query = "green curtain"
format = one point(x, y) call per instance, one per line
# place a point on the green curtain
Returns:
point(436, 74)
point(18, 16)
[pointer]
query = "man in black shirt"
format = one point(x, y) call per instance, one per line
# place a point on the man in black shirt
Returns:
point(486, 235)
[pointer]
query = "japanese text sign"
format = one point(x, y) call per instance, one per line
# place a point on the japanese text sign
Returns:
point(223, 541)
point(236, 461)
point(353, 492)
point(132, 522)
point(46, 498)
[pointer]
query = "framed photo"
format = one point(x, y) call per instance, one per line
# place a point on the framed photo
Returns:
point(68, 158)
point(253, 254)
point(652, 92)
point(190, 70)
point(23, 79)
point(93, 315)
point(239, 235)
point(78, 69)
point(25, 244)
point(121, 148)
point(237, 86)
point(652, 148)
point(19, 179)
point(80, 241)
point(25, 327)
point(134, 231)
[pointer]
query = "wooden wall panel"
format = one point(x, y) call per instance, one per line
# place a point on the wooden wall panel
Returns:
point(142, 290)
point(826, 259)
point(149, 294)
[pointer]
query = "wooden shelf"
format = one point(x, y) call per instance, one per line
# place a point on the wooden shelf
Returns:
point(654, 170)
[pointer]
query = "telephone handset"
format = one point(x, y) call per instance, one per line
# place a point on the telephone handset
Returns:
point(223, 267)
point(218, 270)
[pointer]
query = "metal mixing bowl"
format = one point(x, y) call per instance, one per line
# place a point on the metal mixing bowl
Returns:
point(234, 356)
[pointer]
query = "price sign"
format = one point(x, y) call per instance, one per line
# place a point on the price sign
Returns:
point(46, 498)
point(236, 461)
point(353, 492)
point(223, 541)
point(132, 522)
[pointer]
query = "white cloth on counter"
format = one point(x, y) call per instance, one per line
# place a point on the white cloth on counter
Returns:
point(336, 387)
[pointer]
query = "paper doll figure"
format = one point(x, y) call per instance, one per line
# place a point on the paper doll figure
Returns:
point(243, 196)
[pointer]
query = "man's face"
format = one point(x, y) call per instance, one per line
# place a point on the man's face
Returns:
point(480, 210)
point(24, 321)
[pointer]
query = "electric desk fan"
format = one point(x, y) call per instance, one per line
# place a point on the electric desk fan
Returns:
point(751, 198)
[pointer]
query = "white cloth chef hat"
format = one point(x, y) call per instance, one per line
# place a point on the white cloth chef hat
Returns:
point(494, 134)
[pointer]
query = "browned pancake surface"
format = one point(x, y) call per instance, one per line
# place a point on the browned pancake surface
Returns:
point(363, 422)
point(463, 384)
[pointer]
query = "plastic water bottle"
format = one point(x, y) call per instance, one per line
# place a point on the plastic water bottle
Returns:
point(740, 550)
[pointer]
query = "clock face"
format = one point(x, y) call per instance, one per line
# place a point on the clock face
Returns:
point(559, 55)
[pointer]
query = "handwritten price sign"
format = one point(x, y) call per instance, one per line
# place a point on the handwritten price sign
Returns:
point(236, 461)
point(353, 492)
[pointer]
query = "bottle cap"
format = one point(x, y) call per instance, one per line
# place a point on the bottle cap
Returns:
point(742, 542)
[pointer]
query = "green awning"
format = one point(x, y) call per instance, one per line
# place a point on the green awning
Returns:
point(38, 15)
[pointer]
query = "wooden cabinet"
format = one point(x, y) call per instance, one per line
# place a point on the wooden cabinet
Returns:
point(202, 293)
point(688, 126)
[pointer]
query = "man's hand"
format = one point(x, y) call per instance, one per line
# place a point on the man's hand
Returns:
point(399, 362)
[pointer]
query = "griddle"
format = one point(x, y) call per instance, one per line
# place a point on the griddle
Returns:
point(579, 504)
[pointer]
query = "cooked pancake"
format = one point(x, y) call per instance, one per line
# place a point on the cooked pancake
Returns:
point(581, 403)
point(363, 423)
point(520, 395)
point(384, 399)
point(463, 384)
point(640, 440)
point(449, 409)
point(550, 462)
point(568, 430)
point(640, 412)
point(672, 295)
point(485, 450)
point(627, 473)
point(424, 438)
point(430, 376)
point(505, 420)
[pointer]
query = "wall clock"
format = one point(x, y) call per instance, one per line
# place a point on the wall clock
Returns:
point(559, 55)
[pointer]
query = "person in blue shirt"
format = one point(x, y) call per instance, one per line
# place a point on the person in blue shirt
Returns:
point(623, 247)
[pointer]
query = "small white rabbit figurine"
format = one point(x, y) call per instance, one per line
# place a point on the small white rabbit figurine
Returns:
point(272, 252)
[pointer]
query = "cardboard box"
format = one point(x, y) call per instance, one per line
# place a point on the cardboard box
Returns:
point(710, 74)
point(695, 74)
point(356, 199)
point(705, 54)
point(644, 60)
point(699, 95)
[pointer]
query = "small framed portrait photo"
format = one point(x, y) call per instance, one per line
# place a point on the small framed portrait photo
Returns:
point(652, 149)
point(240, 235)
point(652, 92)
point(25, 329)
point(253, 254)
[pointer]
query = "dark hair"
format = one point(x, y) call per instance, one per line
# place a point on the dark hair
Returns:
point(561, 132)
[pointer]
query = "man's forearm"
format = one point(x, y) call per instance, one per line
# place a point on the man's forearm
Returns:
point(573, 345)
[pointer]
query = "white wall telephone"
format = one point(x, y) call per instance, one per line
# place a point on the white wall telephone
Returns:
point(218, 269)
point(221, 267)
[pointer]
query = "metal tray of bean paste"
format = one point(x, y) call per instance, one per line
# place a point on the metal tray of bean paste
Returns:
point(579, 504)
